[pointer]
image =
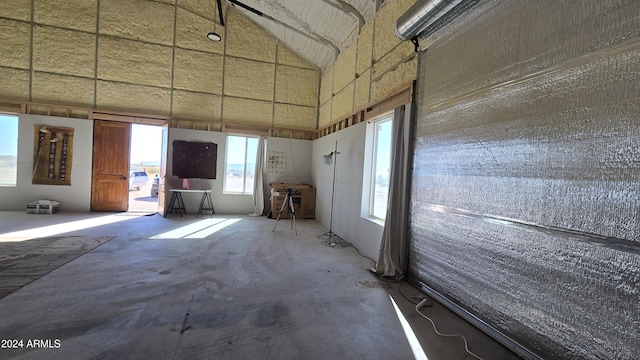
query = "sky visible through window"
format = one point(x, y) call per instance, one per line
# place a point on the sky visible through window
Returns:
point(240, 165)
point(146, 144)
point(382, 167)
point(383, 150)
point(8, 150)
point(9, 143)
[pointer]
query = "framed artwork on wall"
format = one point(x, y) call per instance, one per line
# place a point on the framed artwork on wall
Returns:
point(52, 155)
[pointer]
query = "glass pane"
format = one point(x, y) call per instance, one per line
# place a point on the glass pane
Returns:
point(381, 171)
point(9, 150)
point(252, 151)
point(234, 173)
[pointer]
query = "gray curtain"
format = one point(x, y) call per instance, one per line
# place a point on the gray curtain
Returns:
point(392, 258)
point(258, 181)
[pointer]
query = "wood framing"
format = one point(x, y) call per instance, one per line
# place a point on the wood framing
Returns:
point(401, 96)
point(17, 107)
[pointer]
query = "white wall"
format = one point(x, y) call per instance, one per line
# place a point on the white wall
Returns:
point(304, 165)
point(298, 170)
point(76, 197)
point(298, 160)
point(347, 222)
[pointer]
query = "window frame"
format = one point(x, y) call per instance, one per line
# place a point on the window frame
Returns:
point(372, 142)
point(245, 191)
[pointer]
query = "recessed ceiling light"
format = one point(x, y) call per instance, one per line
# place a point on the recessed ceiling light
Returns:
point(213, 37)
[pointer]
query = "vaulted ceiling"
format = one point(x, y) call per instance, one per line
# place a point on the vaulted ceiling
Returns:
point(317, 30)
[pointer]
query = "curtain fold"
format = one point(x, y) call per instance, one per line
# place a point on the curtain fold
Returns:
point(258, 181)
point(392, 258)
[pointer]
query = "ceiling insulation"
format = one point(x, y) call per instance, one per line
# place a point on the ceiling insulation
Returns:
point(318, 31)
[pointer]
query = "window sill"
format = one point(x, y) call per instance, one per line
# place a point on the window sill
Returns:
point(374, 220)
point(235, 193)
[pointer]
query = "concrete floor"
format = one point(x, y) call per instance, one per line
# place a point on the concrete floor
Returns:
point(170, 288)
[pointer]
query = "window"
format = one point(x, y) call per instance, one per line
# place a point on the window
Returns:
point(9, 150)
point(240, 164)
point(377, 166)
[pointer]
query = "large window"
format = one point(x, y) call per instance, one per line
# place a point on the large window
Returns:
point(240, 164)
point(377, 165)
point(9, 150)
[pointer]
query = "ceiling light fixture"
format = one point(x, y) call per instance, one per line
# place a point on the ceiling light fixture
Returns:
point(213, 36)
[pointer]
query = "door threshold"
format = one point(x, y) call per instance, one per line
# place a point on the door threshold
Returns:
point(137, 213)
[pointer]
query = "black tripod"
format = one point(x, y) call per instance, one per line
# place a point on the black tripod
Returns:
point(288, 201)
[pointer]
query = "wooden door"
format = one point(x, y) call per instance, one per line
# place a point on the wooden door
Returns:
point(162, 181)
point(110, 182)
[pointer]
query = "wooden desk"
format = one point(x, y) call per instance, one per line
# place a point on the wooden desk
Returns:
point(177, 203)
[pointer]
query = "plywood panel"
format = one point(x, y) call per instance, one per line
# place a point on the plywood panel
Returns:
point(198, 71)
point(248, 79)
point(64, 51)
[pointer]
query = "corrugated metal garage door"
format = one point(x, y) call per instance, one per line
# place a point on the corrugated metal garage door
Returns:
point(525, 200)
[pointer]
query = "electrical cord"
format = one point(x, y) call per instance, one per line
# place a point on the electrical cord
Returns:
point(419, 298)
point(358, 251)
point(420, 305)
point(466, 346)
point(343, 243)
point(401, 281)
